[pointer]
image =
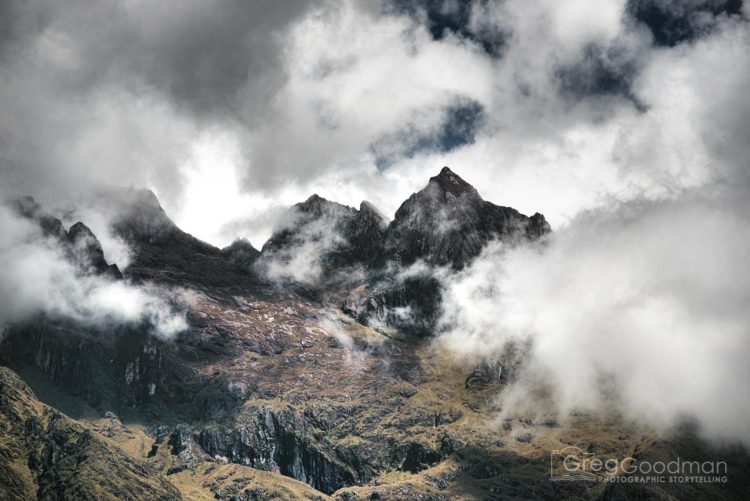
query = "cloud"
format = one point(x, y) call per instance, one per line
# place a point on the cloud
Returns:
point(303, 242)
point(636, 303)
point(672, 22)
point(37, 277)
point(520, 98)
point(117, 93)
point(646, 297)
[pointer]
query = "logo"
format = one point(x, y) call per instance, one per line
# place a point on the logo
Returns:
point(574, 464)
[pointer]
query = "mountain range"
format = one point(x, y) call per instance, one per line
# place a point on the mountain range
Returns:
point(305, 370)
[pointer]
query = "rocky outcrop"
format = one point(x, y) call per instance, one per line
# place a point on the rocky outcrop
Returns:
point(278, 441)
point(115, 368)
point(399, 306)
point(88, 252)
point(241, 252)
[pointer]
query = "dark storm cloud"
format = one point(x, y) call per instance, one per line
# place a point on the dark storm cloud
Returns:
point(676, 21)
point(110, 92)
point(204, 56)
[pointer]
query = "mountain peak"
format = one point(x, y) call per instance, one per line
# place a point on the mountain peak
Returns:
point(448, 223)
point(450, 182)
point(314, 198)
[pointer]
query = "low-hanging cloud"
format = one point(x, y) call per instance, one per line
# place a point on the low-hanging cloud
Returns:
point(305, 241)
point(38, 278)
point(642, 307)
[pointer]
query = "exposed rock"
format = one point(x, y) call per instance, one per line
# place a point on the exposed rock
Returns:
point(164, 253)
point(29, 208)
point(278, 441)
point(88, 252)
point(448, 223)
point(114, 368)
point(78, 245)
point(188, 452)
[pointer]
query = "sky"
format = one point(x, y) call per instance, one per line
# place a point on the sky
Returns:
point(233, 111)
point(625, 122)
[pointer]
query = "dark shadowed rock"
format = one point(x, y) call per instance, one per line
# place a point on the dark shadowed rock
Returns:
point(336, 235)
point(448, 223)
point(279, 441)
point(29, 208)
point(161, 251)
point(88, 251)
point(241, 252)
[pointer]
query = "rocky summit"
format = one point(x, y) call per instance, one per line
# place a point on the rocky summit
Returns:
point(306, 370)
point(448, 223)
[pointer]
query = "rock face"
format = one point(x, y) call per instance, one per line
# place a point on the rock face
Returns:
point(445, 224)
point(45, 455)
point(116, 368)
point(448, 223)
point(88, 252)
point(278, 441)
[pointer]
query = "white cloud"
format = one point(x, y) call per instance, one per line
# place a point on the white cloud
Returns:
point(37, 278)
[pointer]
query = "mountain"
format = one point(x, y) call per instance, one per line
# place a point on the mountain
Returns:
point(448, 223)
point(275, 392)
point(163, 252)
point(78, 244)
point(337, 235)
point(445, 223)
point(241, 252)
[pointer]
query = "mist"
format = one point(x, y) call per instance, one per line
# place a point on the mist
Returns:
point(36, 277)
point(640, 309)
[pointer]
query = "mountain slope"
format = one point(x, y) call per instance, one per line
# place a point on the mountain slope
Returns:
point(45, 455)
point(164, 253)
point(317, 237)
point(79, 245)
